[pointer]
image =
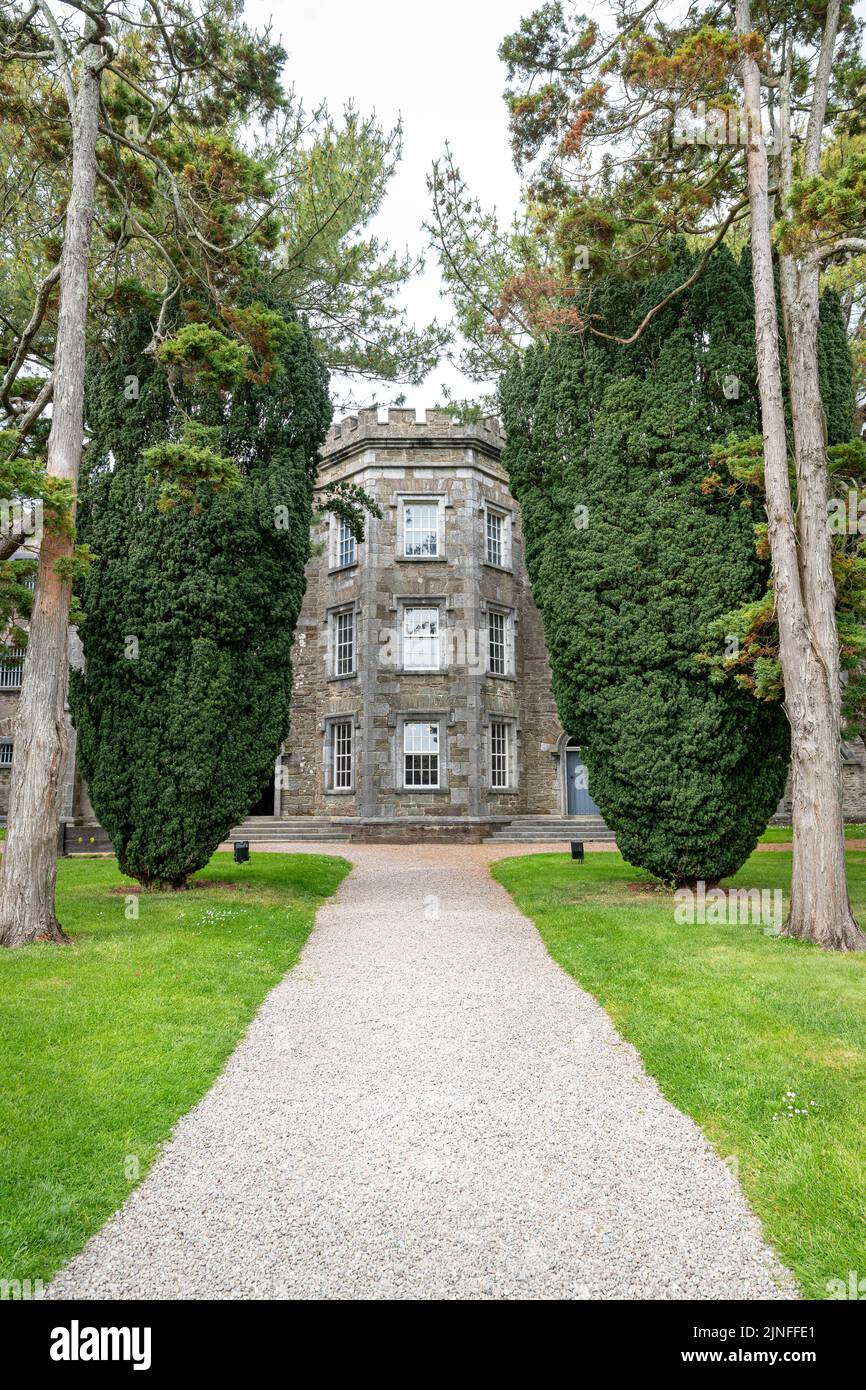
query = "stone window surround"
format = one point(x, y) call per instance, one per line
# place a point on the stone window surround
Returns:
point(507, 513)
point(334, 566)
point(402, 602)
point(496, 717)
point(444, 718)
point(510, 615)
point(423, 498)
point(350, 606)
point(327, 727)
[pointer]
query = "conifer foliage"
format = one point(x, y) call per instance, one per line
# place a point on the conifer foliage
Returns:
point(630, 561)
point(191, 606)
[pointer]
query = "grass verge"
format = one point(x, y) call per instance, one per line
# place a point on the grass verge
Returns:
point(783, 834)
point(107, 1042)
point(761, 1039)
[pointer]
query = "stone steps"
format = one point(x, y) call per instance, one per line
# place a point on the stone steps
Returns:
point(90, 838)
point(541, 829)
point(268, 830)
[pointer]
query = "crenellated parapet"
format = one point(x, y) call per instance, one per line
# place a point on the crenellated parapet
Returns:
point(398, 425)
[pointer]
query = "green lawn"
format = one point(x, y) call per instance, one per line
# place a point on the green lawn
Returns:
point(107, 1042)
point(781, 834)
point(730, 1020)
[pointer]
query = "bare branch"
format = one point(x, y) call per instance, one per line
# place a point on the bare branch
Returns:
point(32, 415)
point(26, 338)
point(732, 216)
point(61, 52)
point(845, 243)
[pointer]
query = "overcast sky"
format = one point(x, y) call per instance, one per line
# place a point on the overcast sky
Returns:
point(436, 66)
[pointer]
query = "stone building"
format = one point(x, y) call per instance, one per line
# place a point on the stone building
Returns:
point(422, 702)
point(422, 699)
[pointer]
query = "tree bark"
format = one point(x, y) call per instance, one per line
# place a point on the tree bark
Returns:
point(803, 584)
point(29, 871)
point(820, 907)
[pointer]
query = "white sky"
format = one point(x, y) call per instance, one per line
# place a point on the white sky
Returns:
point(436, 66)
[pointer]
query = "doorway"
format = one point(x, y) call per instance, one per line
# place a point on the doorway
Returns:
point(266, 802)
point(578, 801)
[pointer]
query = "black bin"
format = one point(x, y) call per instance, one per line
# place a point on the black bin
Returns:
point(577, 850)
point(242, 851)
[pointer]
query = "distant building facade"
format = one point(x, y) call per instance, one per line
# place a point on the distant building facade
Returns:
point(422, 685)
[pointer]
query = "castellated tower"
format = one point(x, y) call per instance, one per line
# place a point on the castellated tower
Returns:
point(422, 695)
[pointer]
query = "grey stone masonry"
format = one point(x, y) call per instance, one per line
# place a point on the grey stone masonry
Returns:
point(447, 648)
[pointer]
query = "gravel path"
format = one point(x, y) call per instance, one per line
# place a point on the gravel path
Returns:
point(428, 1107)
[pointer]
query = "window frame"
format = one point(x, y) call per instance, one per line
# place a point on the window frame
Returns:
point(11, 675)
point(507, 617)
point(4, 744)
point(347, 753)
point(340, 535)
point(332, 752)
point(345, 645)
point(509, 751)
point(418, 722)
point(408, 606)
point(503, 515)
point(434, 501)
point(336, 616)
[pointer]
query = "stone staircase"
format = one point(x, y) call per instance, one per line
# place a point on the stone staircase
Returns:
point(421, 829)
point(269, 830)
point(87, 837)
point(541, 829)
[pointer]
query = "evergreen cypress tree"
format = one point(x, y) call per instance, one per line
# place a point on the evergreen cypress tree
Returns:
point(197, 503)
point(631, 561)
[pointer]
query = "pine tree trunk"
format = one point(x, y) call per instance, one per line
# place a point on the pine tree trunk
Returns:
point(820, 907)
point(29, 870)
point(805, 600)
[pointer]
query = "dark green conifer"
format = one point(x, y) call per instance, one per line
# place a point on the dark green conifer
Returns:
point(197, 503)
point(631, 561)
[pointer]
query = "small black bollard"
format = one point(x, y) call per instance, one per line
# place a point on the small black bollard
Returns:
point(577, 850)
point(242, 851)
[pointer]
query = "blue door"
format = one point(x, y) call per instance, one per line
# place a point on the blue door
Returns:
point(579, 801)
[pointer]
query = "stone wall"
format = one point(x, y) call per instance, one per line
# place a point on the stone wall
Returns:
point(853, 787)
point(396, 456)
